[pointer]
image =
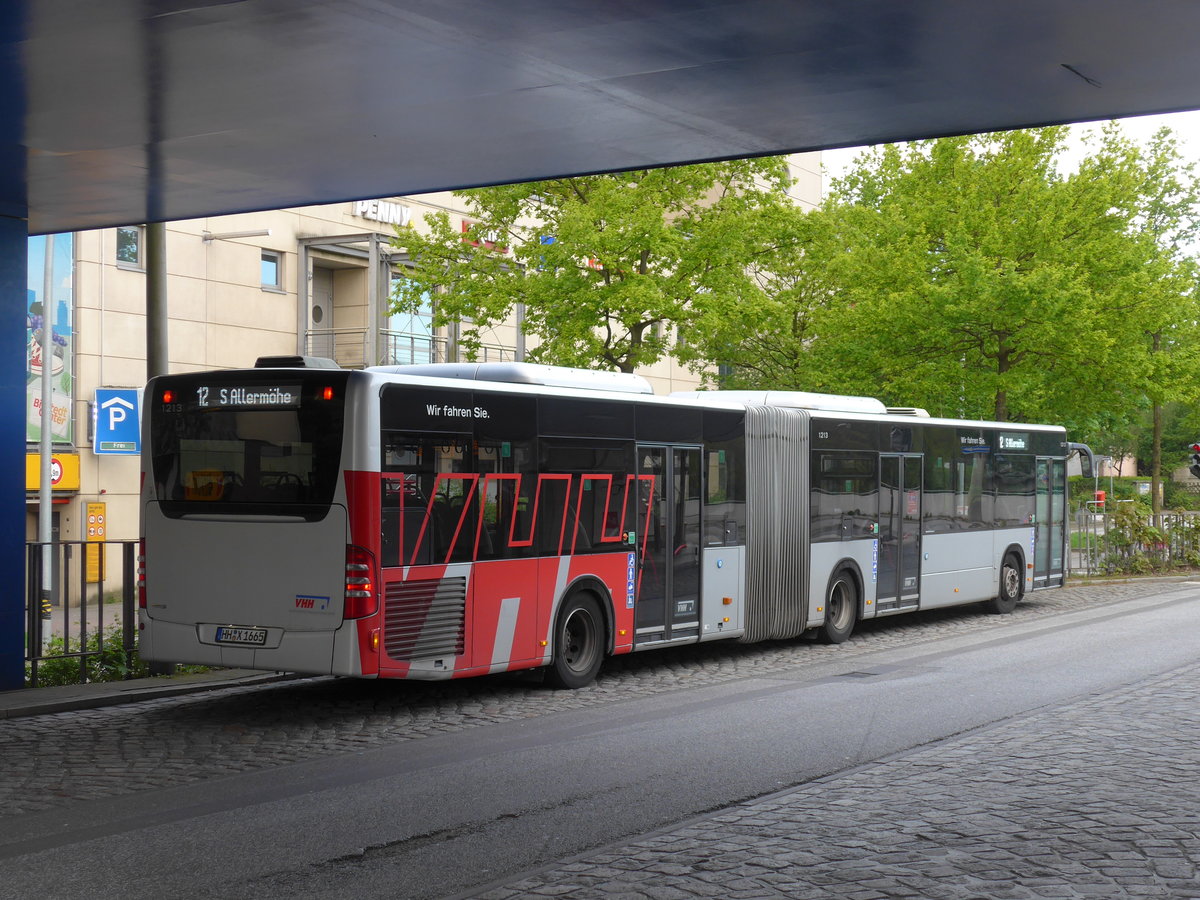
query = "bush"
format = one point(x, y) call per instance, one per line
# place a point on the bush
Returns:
point(1179, 496)
point(105, 660)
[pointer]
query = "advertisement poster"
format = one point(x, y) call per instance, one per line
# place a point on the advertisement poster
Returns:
point(50, 303)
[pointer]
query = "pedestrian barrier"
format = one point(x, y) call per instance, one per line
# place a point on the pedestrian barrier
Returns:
point(80, 617)
point(1128, 540)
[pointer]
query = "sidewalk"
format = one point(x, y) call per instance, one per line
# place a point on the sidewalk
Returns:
point(37, 701)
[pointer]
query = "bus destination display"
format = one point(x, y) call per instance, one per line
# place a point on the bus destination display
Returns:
point(256, 396)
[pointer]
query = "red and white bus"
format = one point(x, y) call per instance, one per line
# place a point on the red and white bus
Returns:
point(444, 521)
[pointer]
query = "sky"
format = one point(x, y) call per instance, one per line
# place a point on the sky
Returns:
point(1186, 126)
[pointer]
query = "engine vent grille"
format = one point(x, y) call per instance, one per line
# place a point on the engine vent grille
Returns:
point(425, 619)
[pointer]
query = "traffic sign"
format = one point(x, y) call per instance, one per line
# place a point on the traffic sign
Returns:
point(116, 422)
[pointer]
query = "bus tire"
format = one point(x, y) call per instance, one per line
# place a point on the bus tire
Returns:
point(578, 643)
point(1010, 587)
point(841, 608)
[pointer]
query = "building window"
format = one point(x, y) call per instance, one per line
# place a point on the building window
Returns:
point(130, 241)
point(272, 270)
point(410, 336)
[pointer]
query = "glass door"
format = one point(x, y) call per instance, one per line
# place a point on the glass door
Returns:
point(899, 562)
point(1049, 523)
point(668, 600)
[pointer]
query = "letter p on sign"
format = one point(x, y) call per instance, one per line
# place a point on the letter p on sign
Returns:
point(116, 421)
point(118, 409)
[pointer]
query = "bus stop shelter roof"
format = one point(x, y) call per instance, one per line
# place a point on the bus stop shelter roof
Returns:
point(130, 111)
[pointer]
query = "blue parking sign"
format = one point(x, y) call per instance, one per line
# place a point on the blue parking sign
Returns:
point(116, 421)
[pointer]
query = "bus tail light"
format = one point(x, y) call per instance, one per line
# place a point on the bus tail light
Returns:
point(362, 596)
point(141, 574)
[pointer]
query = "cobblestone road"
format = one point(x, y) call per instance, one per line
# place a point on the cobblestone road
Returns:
point(1100, 798)
point(54, 760)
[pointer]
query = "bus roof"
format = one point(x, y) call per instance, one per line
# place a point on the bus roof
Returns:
point(527, 373)
point(792, 399)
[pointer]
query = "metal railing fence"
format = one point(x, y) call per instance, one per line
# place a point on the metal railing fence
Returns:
point(350, 347)
point(68, 626)
point(1125, 540)
point(400, 349)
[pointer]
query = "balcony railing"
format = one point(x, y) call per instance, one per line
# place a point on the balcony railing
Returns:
point(401, 349)
point(495, 353)
point(345, 346)
point(349, 347)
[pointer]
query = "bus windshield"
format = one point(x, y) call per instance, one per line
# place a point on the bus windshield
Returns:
point(253, 447)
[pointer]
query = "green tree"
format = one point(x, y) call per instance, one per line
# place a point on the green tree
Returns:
point(969, 276)
point(608, 269)
point(1166, 328)
point(769, 338)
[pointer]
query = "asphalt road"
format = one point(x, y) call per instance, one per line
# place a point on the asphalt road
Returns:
point(327, 788)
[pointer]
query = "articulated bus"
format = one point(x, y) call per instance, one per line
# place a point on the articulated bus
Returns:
point(449, 520)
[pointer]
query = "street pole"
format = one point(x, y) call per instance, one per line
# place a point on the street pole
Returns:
point(45, 443)
point(156, 331)
point(156, 300)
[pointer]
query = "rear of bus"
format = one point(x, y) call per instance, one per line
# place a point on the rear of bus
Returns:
point(246, 547)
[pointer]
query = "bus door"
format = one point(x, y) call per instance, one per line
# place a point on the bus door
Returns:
point(1049, 521)
point(899, 563)
point(668, 597)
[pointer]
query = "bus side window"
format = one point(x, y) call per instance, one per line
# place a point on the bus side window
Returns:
point(505, 508)
point(1014, 482)
point(725, 478)
point(939, 514)
point(553, 536)
point(844, 495)
point(598, 470)
point(422, 513)
point(456, 531)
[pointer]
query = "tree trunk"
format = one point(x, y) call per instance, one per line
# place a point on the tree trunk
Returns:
point(1156, 447)
point(1156, 463)
point(1002, 366)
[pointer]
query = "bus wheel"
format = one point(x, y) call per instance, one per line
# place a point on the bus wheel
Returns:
point(1010, 587)
point(578, 643)
point(841, 608)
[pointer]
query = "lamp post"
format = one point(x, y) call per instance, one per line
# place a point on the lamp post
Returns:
point(45, 437)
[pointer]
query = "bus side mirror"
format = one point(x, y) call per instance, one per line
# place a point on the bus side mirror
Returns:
point(1087, 459)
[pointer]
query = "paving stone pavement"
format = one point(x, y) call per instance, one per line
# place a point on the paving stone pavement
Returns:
point(58, 759)
point(1099, 798)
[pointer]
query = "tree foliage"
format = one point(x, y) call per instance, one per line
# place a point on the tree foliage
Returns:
point(973, 277)
point(1166, 330)
point(607, 269)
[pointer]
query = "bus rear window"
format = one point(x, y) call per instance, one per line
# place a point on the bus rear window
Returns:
point(263, 457)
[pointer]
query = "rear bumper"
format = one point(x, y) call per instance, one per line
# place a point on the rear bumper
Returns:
point(309, 652)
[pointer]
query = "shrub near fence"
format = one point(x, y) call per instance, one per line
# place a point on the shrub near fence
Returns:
point(101, 656)
point(71, 641)
point(1128, 539)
